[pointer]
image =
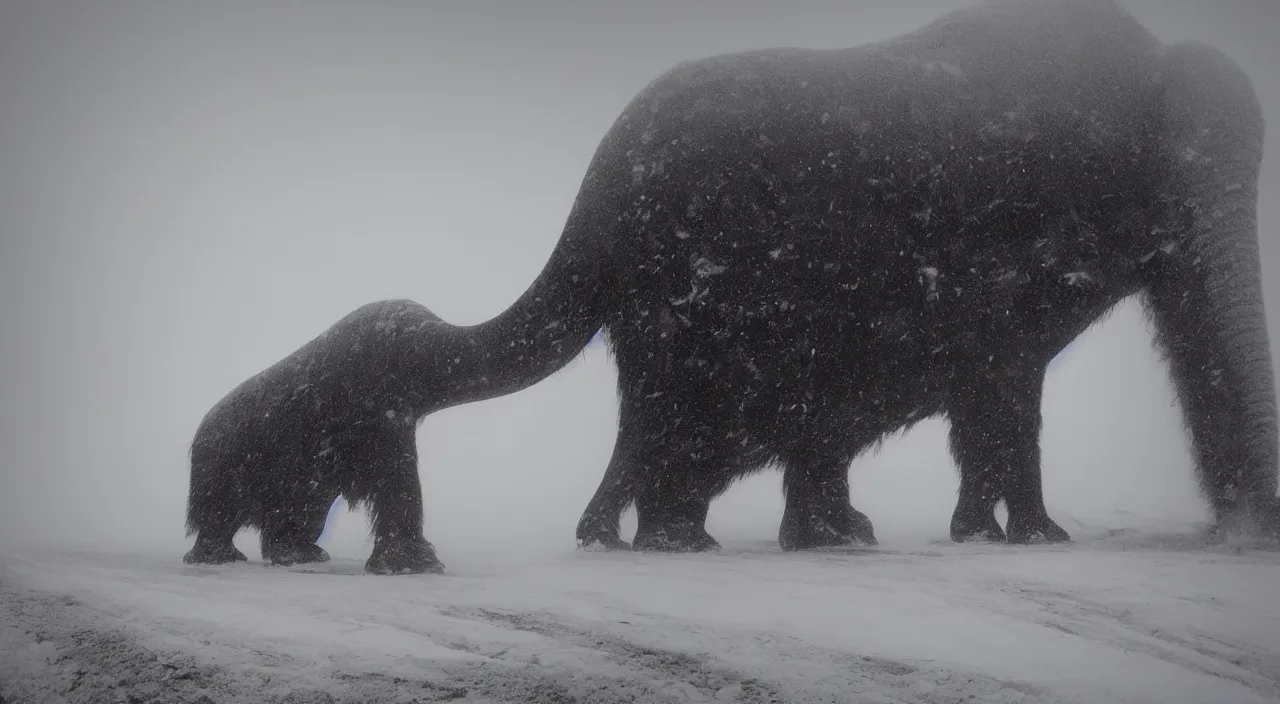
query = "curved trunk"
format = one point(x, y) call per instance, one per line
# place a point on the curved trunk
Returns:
point(1206, 299)
point(551, 322)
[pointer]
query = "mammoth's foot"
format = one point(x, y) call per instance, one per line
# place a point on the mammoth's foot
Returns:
point(842, 525)
point(598, 543)
point(1026, 527)
point(674, 536)
point(1255, 526)
point(976, 524)
point(411, 556)
point(293, 554)
point(598, 535)
point(213, 552)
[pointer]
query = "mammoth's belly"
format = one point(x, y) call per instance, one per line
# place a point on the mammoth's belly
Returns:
point(817, 335)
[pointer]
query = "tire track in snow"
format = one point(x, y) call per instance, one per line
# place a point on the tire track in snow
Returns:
point(54, 649)
point(673, 675)
point(1197, 651)
point(816, 674)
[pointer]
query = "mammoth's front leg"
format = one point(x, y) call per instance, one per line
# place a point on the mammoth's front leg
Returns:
point(599, 527)
point(818, 512)
point(385, 469)
point(995, 439)
point(674, 519)
point(291, 528)
point(674, 494)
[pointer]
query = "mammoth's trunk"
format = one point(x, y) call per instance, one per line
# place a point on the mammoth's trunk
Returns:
point(1206, 300)
point(551, 322)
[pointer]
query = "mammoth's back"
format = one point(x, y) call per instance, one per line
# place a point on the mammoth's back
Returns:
point(1049, 106)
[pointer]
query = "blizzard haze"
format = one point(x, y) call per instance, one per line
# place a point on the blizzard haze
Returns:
point(189, 192)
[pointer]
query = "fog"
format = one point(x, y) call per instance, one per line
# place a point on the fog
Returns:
point(190, 191)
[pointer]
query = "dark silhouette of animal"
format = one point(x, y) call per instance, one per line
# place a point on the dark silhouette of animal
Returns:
point(337, 417)
point(822, 247)
point(794, 252)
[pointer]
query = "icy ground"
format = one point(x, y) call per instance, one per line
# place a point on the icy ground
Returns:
point(1119, 616)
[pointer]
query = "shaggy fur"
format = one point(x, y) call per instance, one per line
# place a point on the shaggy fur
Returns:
point(817, 248)
point(337, 417)
point(796, 252)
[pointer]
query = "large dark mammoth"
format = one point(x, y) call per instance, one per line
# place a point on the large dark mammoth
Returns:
point(822, 247)
point(795, 252)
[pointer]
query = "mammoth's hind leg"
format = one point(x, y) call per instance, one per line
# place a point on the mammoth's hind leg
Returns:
point(995, 439)
point(384, 467)
point(215, 511)
point(818, 511)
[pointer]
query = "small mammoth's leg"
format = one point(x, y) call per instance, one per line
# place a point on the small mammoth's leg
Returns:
point(995, 439)
point(818, 512)
point(386, 466)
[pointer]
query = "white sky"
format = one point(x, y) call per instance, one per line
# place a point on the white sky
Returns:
point(188, 192)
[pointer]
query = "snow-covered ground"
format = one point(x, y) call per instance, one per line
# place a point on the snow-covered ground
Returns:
point(1127, 615)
